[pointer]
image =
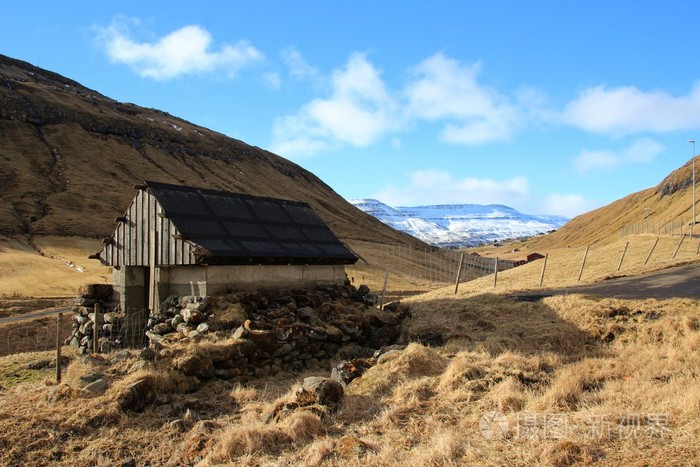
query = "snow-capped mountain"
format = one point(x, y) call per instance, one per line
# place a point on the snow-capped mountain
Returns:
point(451, 225)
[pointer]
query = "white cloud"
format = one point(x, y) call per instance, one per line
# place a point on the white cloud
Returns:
point(297, 64)
point(446, 90)
point(628, 110)
point(640, 151)
point(273, 79)
point(184, 51)
point(439, 187)
point(358, 112)
point(566, 205)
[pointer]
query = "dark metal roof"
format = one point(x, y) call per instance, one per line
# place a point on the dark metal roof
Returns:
point(234, 228)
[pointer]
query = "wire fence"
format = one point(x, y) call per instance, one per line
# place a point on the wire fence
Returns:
point(396, 272)
point(667, 227)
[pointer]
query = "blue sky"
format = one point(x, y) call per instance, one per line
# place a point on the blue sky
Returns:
point(551, 107)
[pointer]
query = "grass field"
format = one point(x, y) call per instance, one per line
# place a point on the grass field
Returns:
point(568, 380)
point(51, 267)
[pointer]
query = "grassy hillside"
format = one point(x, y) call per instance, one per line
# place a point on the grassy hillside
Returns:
point(70, 156)
point(668, 202)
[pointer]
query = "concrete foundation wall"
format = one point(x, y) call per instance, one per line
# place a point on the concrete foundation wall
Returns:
point(130, 287)
point(212, 280)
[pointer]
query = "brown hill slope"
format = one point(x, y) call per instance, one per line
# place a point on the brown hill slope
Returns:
point(69, 157)
point(669, 203)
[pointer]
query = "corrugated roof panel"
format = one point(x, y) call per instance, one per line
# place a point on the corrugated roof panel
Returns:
point(195, 227)
point(228, 206)
point(306, 249)
point(262, 248)
point(246, 230)
point(287, 232)
point(220, 246)
point(319, 234)
point(180, 201)
point(304, 215)
point(269, 211)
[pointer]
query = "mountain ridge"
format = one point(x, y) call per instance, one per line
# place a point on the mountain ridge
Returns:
point(460, 225)
point(69, 157)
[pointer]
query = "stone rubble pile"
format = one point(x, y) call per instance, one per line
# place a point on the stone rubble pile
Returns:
point(109, 321)
point(187, 315)
point(263, 333)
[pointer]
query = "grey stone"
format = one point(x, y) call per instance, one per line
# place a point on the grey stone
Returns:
point(162, 329)
point(193, 316)
point(97, 386)
point(318, 390)
point(241, 333)
point(203, 328)
point(147, 353)
point(177, 320)
point(90, 377)
point(137, 396)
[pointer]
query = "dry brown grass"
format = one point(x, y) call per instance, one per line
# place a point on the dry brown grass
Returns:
point(564, 264)
point(625, 364)
point(578, 380)
point(55, 272)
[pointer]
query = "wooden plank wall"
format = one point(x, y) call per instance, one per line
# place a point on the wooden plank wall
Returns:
point(131, 241)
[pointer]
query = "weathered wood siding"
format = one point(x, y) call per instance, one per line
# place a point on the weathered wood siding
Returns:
point(131, 242)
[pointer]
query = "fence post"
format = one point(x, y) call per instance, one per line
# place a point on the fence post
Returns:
point(679, 246)
point(622, 258)
point(96, 328)
point(652, 250)
point(495, 272)
point(58, 347)
point(544, 266)
point(583, 263)
point(459, 272)
point(386, 279)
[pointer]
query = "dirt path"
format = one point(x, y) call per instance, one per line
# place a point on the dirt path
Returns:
point(678, 282)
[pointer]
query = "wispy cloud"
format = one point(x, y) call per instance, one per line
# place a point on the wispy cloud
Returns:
point(440, 187)
point(639, 151)
point(187, 50)
point(361, 110)
point(298, 66)
point(446, 90)
point(357, 113)
point(628, 110)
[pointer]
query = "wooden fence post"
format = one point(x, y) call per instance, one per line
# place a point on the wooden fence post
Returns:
point(622, 258)
point(544, 266)
point(96, 329)
point(652, 250)
point(679, 245)
point(495, 272)
point(583, 263)
point(386, 279)
point(459, 272)
point(58, 347)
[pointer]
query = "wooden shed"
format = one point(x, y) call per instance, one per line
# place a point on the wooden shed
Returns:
point(181, 240)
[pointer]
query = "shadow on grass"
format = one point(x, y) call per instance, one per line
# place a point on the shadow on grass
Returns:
point(496, 324)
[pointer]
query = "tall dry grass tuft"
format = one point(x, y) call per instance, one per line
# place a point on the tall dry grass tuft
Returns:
point(414, 362)
point(256, 438)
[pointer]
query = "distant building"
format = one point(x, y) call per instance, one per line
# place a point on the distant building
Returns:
point(180, 240)
point(534, 257)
